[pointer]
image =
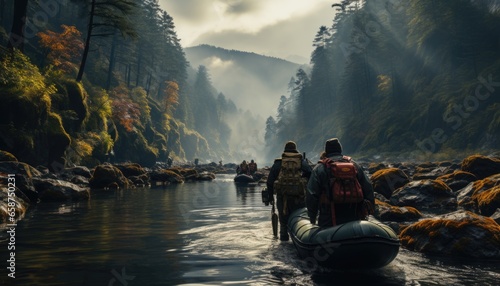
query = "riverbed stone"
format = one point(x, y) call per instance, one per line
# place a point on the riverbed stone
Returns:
point(106, 176)
point(461, 233)
point(425, 195)
point(482, 196)
point(388, 212)
point(481, 166)
point(51, 190)
point(458, 179)
point(24, 174)
point(386, 181)
point(166, 177)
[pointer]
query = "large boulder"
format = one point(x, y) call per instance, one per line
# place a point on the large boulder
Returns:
point(482, 196)
point(461, 233)
point(481, 166)
point(166, 177)
point(386, 181)
point(24, 175)
point(135, 173)
point(458, 179)
point(387, 212)
point(108, 176)
point(425, 194)
point(51, 190)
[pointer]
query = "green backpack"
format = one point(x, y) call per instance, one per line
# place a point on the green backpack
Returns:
point(290, 181)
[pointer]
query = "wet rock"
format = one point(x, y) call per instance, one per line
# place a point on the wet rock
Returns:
point(458, 179)
point(76, 171)
point(481, 166)
point(425, 195)
point(165, 177)
point(386, 181)
point(432, 173)
point(374, 167)
point(482, 196)
point(51, 190)
point(24, 174)
point(106, 176)
point(460, 233)
point(387, 212)
point(206, 176)
point(135, 173)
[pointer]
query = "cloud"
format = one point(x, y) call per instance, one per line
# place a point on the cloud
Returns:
point(263, 24)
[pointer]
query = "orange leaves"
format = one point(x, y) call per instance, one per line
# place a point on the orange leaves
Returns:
point(64, 48)
point(125, 111)
point(171, 95)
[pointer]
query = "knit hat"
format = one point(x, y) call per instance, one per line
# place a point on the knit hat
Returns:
point(333, 146)
point(290, 146)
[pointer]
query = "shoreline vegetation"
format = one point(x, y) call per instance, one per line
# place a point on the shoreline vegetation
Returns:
point(442, 208)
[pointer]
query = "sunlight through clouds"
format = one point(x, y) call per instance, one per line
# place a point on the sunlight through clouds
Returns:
point(199, 21)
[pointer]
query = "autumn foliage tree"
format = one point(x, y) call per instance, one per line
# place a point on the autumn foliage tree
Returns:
point(126, 112)
point(64, 49)
point(171, 96)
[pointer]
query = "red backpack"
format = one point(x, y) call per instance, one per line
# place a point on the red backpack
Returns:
point(344, 185)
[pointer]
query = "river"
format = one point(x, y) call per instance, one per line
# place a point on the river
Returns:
point(204, 233)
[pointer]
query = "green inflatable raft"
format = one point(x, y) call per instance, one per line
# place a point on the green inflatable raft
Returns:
point(357, 244)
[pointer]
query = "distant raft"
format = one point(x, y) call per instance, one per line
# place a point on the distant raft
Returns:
point(244, 179)
point(357, 244)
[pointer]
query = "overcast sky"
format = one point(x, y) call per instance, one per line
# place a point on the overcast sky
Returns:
point(279, 28)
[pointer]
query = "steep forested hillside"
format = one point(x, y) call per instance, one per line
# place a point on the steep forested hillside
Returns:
point(251, 80)
point(82, 82)
point(410, 78)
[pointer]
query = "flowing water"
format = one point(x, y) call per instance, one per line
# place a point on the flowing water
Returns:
point(204, 233)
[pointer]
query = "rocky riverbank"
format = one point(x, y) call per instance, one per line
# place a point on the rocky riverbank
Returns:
point(443, 208)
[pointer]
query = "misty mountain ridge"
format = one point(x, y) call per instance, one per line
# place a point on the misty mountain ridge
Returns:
point(254, 82)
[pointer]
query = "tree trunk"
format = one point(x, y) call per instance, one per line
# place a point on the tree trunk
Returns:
point(111, 62)
point(87, 43)
point(16, 38)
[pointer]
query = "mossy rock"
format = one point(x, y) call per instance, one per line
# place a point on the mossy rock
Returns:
point(6, 156)
point(488, 201)
point(108, 176)
point(458, 179)
point(131, 169)
point(374, 167)
point(388, 212)
point(462, 233)
point(166, 176)
point(481, 166)
point(425, 194)
point(386, 181)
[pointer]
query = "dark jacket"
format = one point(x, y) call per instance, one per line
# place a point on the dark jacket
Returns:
point(275, 171)
point(319, 183)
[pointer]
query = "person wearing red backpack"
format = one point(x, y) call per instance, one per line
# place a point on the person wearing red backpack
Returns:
point(326, 190)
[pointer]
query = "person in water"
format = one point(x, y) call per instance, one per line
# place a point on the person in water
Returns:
point(288, 178)
point(319, 185)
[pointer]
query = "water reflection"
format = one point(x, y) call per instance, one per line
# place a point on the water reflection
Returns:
point(207, 233)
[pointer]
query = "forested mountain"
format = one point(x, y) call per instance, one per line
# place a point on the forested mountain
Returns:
point(409, 78)
point(251, 80)
point(82, 82)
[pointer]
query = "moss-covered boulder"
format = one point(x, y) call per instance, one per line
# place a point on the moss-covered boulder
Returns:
point(458, 179)
point(386, 181)
point(387, 212)
point(6, 156)
point(51, 190)
point(425, 195)
point(135, 173)
point(481, 166)
point(461, 233)
point(374, 167)
point(165, 177)
point(108, 176)
point(482, 196)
